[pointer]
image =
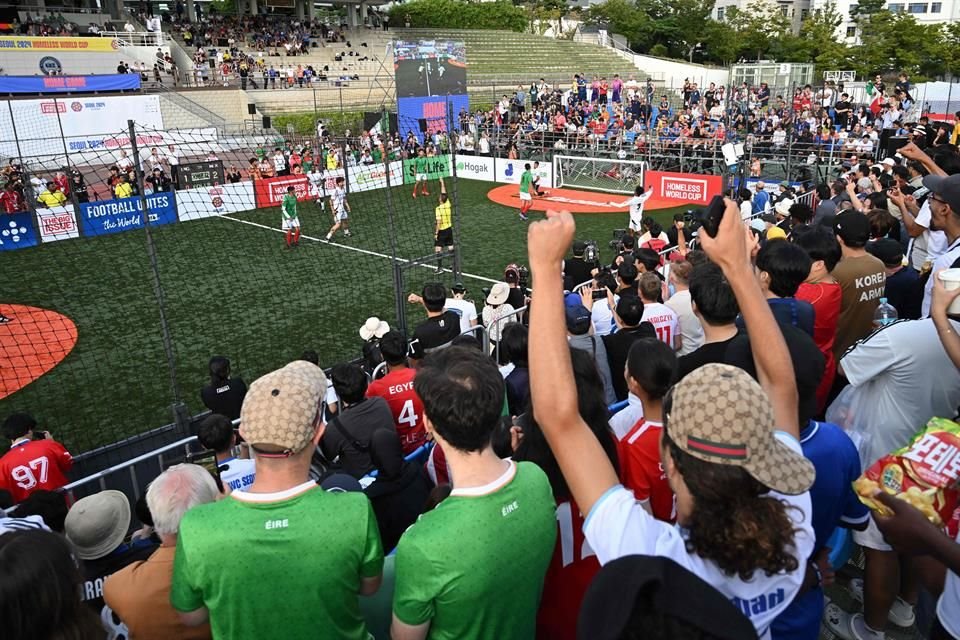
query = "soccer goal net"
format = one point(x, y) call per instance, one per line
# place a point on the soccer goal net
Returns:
point(603, 174)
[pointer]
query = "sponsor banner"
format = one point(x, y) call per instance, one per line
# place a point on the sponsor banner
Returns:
point(437, 167)
point(199, 174)
point(214, 200)
point(15, 44)
point(88, 123)
point(57, 223)
point(123, 214)
point(434, 110)
point(91, 149)
point(509, 171)
point(67, 84)
point(684, 188)
point(270, 191)
point(475, 168)
point(374, 176)
point(17, 231)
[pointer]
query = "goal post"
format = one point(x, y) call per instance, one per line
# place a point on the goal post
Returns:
point(601, 174)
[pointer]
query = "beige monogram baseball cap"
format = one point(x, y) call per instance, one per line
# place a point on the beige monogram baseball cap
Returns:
point(283, 408)
point(719, 414)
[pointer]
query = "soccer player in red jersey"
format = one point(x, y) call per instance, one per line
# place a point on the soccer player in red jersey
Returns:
point(31, 465)
point(574, 564)
point(651, 371)
point(397, 389)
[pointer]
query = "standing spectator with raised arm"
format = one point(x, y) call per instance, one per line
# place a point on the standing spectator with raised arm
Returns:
point(730, 447)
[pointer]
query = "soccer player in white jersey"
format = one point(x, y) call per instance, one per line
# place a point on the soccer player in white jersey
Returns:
point(317, 189)
point(636, 203)
point(341, 210)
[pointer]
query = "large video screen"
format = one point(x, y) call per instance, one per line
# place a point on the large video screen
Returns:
point(430, 68)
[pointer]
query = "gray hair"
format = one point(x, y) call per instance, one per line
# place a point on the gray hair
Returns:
point(176, 491)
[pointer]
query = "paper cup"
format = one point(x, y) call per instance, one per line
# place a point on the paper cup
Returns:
point(951, 280)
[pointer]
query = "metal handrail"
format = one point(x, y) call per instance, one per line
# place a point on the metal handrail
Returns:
point(499, 322)
point(129, 464)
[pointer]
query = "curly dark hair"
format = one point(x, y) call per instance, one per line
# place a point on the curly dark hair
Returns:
point(734, 524)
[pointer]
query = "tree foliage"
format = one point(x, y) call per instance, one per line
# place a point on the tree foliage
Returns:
point(451, 14)
point(888, 41)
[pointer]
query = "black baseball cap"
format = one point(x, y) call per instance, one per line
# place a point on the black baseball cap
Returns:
point(626, 587)
point(579, 246)
point(888, 250)
point(947, 188)
point(852, 227)
point(458, 287)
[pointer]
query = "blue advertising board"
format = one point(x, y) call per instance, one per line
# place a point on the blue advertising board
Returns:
point(436, 110)
point(17, 231)
point(123, 214)
point(69, 84)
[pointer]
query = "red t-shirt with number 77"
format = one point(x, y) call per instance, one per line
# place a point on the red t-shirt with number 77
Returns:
point(33, 465)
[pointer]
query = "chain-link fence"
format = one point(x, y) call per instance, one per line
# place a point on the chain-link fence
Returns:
point(134, 256)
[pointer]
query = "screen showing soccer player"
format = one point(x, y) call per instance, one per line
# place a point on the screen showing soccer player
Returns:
point(430, 68)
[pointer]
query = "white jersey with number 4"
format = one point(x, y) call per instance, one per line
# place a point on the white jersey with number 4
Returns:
point(664, 321)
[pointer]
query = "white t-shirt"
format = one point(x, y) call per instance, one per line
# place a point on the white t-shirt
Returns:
point(279, 162)
point(941, 262)
point(664, 320)
point(602, 317)
point(948, 606)
point(900, 377)
point(622, 421)
point(338, 199)
point(690, 327)
point(495, 319)
point(463, 308)
point(237, 473)
point(484, 146)
point(618, 526)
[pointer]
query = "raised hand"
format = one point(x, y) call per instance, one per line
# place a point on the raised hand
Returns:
point(549, 240)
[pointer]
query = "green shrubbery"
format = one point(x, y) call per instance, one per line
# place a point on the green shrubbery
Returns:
point(451, 14)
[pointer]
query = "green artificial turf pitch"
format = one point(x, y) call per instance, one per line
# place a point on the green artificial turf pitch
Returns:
point(232, 289)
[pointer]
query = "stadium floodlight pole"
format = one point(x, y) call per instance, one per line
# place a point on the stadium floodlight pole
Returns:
point(399, 303)
point(155, 270)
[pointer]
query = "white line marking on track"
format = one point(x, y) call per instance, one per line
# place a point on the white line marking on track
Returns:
point(348, 247)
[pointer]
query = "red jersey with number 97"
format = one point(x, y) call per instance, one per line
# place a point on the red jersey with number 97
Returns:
point(571, 569)
point(34, 465)
point(397, 389)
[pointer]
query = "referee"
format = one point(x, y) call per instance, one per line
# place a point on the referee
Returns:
point(444, 225)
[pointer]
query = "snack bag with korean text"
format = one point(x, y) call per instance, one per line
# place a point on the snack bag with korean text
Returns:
point(925, 473)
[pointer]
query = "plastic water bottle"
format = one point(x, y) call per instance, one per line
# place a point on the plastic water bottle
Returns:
point(885, 314)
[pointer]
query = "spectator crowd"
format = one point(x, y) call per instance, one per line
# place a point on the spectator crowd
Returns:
point(757, 368)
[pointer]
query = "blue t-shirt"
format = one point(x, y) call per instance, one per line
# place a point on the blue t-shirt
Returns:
point(835, 504)
point(760, 201)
